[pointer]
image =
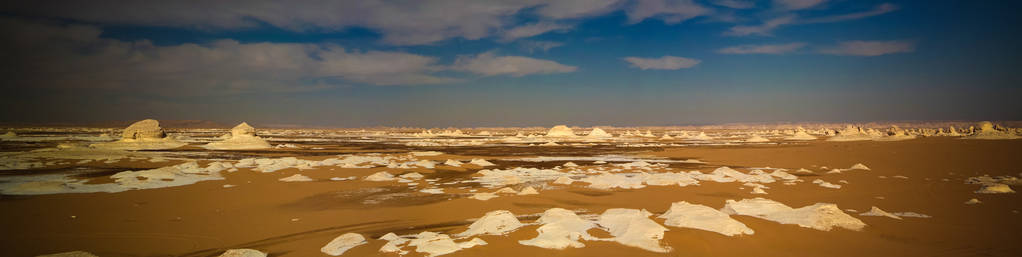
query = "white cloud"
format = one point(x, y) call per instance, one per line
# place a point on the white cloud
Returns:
point(533, 46)
point(576, 9)
point(869, 48)
point(670, 12)
point(663, 63)
point(796, 4)
point(763, 29)
point(878, 10)
point(488, 64)
point(531, 30)
point(763, 49)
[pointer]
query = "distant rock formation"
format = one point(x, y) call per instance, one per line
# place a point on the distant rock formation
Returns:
point(142, 135)
point(560, 131)
point(242, 137)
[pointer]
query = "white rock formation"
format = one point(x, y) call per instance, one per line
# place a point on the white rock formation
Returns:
point(342, 244)
point(436, 244)
point(820, 216)
point(597, 133)
point(243, 253)
point(497, 222)
point(142, 135)
point(757, 139)
point(989, 131)
point(242, 137)
point(296, 178)
point(633, 227)
point(560, 229)
point(560, 131)
point(874, 211)
point(687, 215)
point(800, 135)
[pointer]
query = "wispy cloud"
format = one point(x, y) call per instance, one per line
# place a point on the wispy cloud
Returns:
point(735, 4)
point(670, 12)
point(869, 48)
point(663, 63)
point(531, 30)
point(767, 27)
point(796, 4)
point(489, 64)
point(763, 49)
point(532, 46)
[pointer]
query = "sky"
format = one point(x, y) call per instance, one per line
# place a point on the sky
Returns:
point(484, 63)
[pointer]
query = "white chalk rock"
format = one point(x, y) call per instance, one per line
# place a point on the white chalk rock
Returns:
point(497, 222)
point(528, 191)
point(560, 131)
point(633, 227)
point(820, 216)
point(243, 253)
point(296, 178)
point(381, 176)
point(560, 229)
point(686, 215)
point(343, 243)
point(875, 211)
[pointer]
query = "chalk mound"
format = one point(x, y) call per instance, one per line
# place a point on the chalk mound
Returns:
point(242, 137)
point(436, 244)
point(142, 135)
point(757, 139)
point(342, 244)
point(702, 136)
point(560, 131)
point(560, 229)
point(243, 253)
point(497, 222)
point(820, 216)
point(990, 131)
point(686, 215)
point(995, 188)
point(875, 211)
point(598, 133)
point(800, 135)
point(633, 227)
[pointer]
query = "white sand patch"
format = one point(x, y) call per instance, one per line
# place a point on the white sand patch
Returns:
point(820, 216)
point(616, 180)
point(342, 243)
point(911, 215)
point(758, 191)
point(560, 229)
point(412, 176)
point(757, 139)
point(426, 164)
point(483, 196)
point(494, 178)
point(243, 253)
point(670, 178)
point(296, 178)
point(686, 215)
point(497, 222)
point(381, 176)
point(874, 211)
point(633, 227)
point(570, 164)
point(826, 184)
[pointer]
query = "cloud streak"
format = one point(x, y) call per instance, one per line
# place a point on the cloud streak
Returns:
point(766, 28)
point(663, 63)
point(869, 48)
point(763, 49)
point(489, 64)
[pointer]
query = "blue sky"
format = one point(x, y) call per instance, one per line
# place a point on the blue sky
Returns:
point(511, 63)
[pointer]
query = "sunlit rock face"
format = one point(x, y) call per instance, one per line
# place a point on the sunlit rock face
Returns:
point(243, 129)
point(560, 131)
point(142, 135)
point(144, 129)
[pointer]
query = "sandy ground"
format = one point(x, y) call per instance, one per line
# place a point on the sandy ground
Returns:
point(296, 219)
